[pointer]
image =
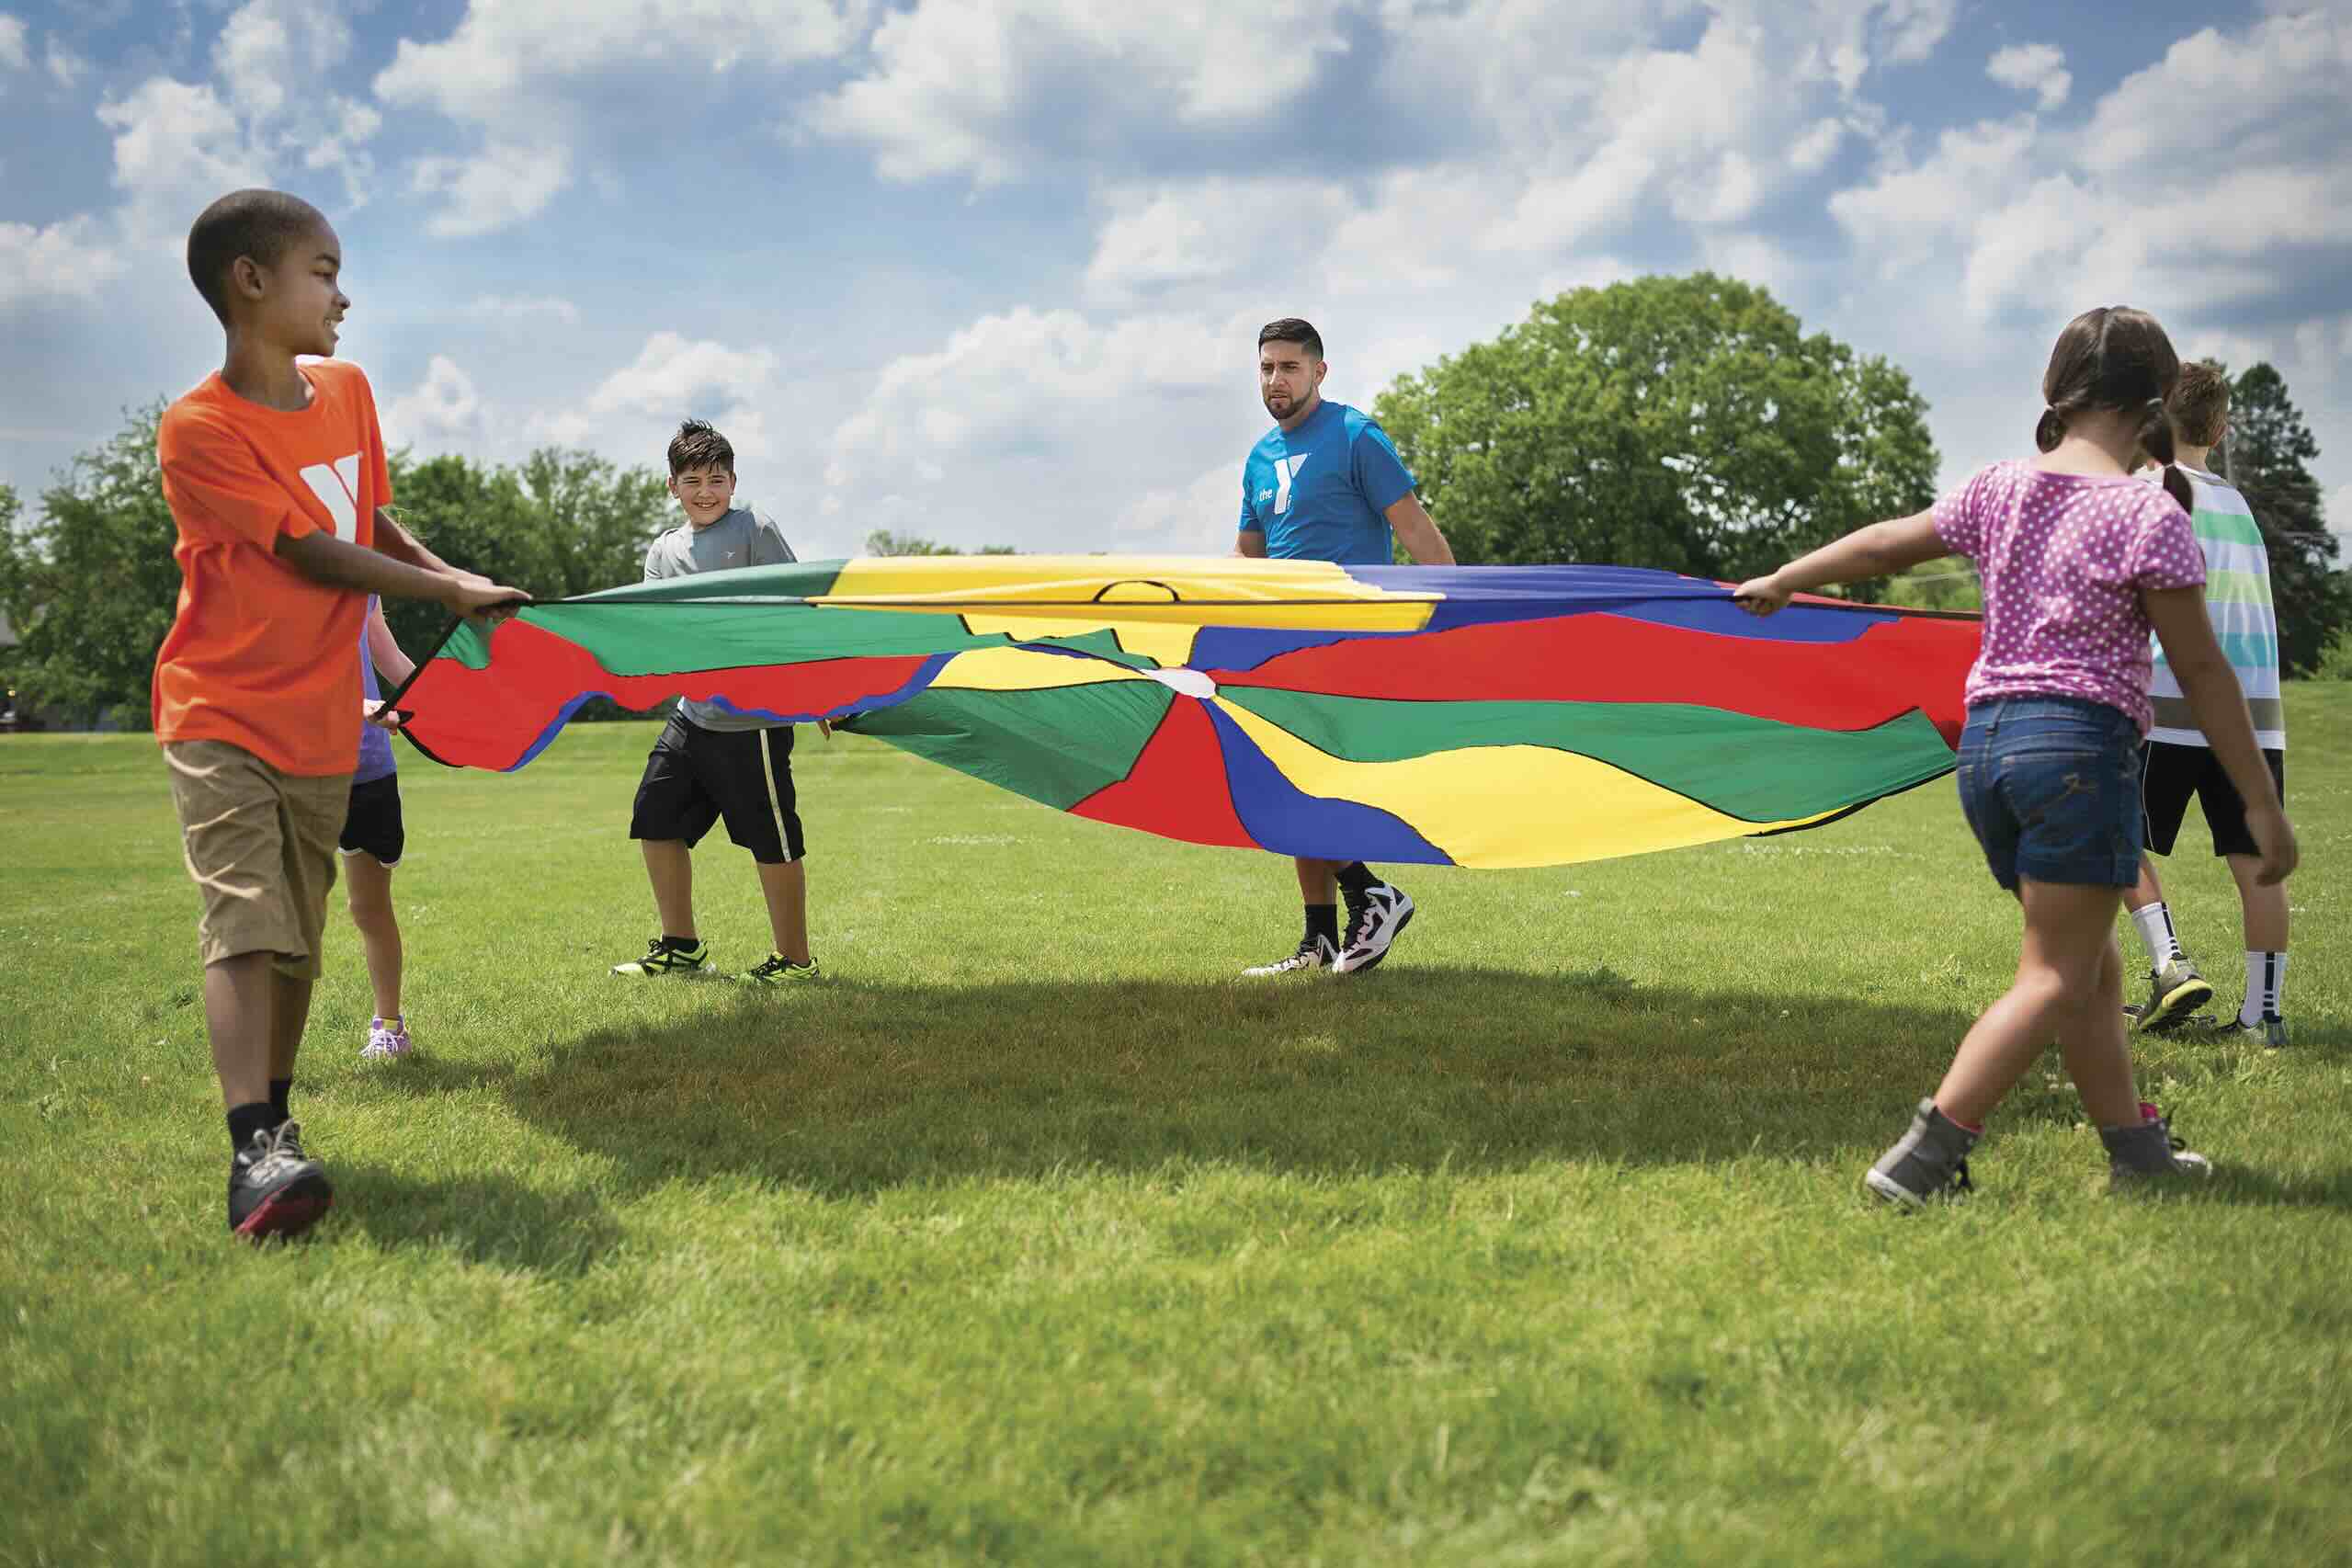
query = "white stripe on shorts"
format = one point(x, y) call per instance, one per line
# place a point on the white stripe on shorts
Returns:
point(768, 777)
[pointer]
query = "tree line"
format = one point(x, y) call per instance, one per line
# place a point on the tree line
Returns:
point(1687, 424)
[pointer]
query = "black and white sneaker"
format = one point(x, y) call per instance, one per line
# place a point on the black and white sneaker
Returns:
point(274, 1189)
point(1315, 952)
point(1374, 922)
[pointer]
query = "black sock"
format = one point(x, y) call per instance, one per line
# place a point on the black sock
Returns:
point(1322, 920)
point(279, 1088)
point(244, 1121)
point(683, 944)
point(1357, 877)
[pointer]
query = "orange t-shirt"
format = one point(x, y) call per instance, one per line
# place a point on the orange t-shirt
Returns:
point(259, 656)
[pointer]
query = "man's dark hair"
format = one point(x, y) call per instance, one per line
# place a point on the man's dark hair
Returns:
point(697, 445)
point(258, 223)
point(1291, 329)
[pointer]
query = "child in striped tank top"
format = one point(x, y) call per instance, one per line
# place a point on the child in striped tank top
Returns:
point(2179, 763)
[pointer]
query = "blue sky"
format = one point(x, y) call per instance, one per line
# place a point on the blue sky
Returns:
point(991, 270)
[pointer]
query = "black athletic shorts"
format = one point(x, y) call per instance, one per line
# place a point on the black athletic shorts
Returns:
point(2170, 774)
point(372, 823)
point(694, 777)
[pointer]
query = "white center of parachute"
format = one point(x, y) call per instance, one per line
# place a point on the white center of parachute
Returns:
point(1191, 683)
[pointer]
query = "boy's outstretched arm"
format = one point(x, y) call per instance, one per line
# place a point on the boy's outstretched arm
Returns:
point(1880, 550)
point(322, 558)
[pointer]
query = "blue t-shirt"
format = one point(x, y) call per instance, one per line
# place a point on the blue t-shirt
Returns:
point(375, 742)
point(1320, 492)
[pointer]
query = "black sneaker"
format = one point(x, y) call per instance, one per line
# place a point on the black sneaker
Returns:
point(1374, 922)
point(661, 958)
point(1315, 952)
point(274, 1189)
point(1927, 1163)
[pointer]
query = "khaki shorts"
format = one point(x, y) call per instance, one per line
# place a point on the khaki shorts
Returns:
point(261, 847)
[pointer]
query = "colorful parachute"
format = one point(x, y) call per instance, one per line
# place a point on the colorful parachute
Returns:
point(1473, 715)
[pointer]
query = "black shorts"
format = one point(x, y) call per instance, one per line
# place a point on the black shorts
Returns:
point(2171, 774)
point(694, 777)
point(372, 823)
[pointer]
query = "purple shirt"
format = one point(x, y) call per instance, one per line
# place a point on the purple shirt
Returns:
point(376, 759)
point(2065, 558)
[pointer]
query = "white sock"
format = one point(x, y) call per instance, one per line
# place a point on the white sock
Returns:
point(2266, 977)
point(2155, 924)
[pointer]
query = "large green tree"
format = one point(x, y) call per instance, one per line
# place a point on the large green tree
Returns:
point(564, 522)
point(1683, 422)
point(2266, 453)
point(88, 582)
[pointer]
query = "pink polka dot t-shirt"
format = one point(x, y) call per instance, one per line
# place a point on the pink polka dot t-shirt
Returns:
point(2064, 557)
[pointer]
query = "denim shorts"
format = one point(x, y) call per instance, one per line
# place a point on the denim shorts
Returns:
point(2051, 785)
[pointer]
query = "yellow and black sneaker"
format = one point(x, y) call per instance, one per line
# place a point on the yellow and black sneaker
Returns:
point(667, 956)
point(777, 970)
point(2174, 992)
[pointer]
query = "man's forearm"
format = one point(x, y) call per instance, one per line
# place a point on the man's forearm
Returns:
point(1418, 532)
point(1430, 550)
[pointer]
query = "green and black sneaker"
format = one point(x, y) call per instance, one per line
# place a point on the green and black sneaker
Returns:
point(666, 957)
point(777, 970)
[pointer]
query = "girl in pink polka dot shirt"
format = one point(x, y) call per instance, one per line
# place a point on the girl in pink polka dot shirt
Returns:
point(2079, 561)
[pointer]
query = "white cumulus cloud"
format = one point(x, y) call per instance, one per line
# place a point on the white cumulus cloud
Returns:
point(71, 259)
point(672, 373)
point(537, 81)
point(989, 88)
point(505, 183)
point(443, 410)
point(2036, 68)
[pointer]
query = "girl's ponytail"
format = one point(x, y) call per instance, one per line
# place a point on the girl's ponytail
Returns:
point(2050, 431)
point(2157, 440)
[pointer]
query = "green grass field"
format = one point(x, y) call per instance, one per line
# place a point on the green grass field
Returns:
point(1037, 1237)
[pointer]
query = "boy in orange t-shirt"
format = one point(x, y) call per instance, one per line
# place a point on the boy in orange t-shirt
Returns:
point(275, 476)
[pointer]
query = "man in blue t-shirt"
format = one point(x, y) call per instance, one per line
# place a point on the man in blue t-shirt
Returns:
point(1327, 485)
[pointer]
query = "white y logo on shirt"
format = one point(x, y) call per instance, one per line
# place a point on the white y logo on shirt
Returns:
point(337, 485)
point(1285, 471)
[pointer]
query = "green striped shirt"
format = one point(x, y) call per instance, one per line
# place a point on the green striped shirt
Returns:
point(2237, 597)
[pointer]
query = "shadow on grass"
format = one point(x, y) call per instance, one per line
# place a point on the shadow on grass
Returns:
point(854, 1087)
point(857, 1087)
point(489, 1219)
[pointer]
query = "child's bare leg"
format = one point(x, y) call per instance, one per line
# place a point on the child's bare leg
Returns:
point(2069, 936)
point(785, 884)
point(1316, 882)
point(670, 866)
point(289, 1011)
point(240, 996)
point(369, 882)
point(2097, 1055)
point(2265, 907)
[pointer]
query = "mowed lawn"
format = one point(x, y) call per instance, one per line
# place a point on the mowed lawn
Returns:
point(1036, 1236)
